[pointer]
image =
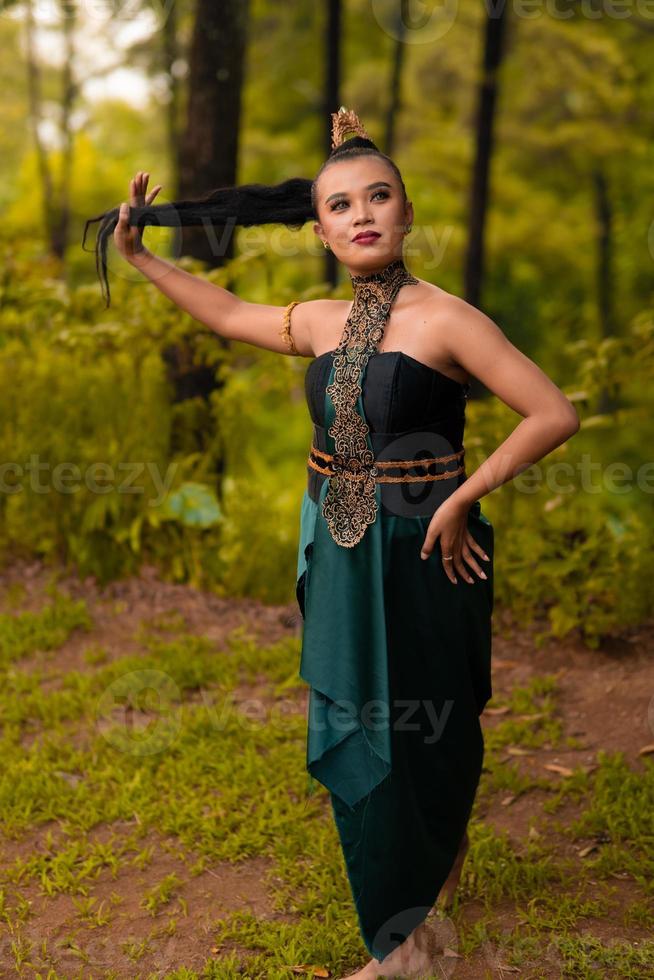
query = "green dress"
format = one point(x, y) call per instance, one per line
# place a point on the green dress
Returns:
point(398, 658)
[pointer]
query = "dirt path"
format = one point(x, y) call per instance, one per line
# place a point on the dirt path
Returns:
point(604, 702)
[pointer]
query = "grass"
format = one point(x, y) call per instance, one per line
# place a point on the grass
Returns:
point(163, 742)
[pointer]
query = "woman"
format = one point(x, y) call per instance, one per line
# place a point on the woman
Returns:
point(395, 560)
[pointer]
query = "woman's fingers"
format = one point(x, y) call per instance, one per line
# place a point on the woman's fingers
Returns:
point(127, 237)
point(460, 555)
point(460, 567)
point(467, 554)
point(153, 193)
point(475, 546)
point(137, 188)
point(122, 227)
point(448, 558)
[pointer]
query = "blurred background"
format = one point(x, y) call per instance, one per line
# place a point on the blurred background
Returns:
point(524, 135)
point(156, 819)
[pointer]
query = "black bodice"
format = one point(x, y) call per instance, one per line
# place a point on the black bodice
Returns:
point(399, 394)
point(412, 410)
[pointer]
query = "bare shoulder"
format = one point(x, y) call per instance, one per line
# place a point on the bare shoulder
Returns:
point(455, 325)
point(475, 342)
point(448, 308)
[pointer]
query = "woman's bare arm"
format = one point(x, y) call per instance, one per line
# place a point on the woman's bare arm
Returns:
point(219, 309)
point(477, 344)
point(228, 315)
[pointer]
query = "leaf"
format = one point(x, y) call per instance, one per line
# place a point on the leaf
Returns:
point(515, 750)
point(318, 971)
point(646, 749)
point(562, 770)
point(193, 504)
point(497, 711)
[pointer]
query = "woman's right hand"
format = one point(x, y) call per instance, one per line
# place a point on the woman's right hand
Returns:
point(127, 238)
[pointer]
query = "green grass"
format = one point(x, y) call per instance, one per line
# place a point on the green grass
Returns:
point(158, 742)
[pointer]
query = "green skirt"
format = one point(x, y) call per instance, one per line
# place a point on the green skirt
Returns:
point(398, 660)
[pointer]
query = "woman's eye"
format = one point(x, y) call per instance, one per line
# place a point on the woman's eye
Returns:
point(383, 193)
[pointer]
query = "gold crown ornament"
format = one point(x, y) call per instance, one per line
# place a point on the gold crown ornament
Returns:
point(343, 122)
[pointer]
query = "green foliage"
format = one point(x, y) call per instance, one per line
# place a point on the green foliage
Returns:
point(104, 470)
point(209, 490)
point(571, 560)
point(574, 532)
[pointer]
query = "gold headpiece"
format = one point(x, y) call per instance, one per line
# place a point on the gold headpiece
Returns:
point(346, 121)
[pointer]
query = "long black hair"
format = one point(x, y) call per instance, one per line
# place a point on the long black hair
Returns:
point(292, 202)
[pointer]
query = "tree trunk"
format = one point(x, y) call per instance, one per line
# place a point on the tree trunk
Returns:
point(394, 101)
point(332, 103)
point(34, 101)
point(209, 152)
point(170, 56)
point(485, 117)
point(61, 226)
point(605, 308)
point(207, 160)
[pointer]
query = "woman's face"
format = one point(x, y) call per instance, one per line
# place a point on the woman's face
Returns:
point(355, 196)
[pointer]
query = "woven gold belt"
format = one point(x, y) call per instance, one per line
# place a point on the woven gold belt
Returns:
point(354, 469)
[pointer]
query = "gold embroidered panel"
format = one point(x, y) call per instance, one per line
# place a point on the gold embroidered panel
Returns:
point(350, 504)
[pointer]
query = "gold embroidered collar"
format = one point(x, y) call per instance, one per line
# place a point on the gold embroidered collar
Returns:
point(350, 504)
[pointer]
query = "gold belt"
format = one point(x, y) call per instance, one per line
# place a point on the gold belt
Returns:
point(354, 469)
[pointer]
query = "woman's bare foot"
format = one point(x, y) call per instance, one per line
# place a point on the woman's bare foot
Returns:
point(446, 894)
point(411, 960)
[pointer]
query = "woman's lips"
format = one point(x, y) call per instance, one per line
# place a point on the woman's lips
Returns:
point(367, 238)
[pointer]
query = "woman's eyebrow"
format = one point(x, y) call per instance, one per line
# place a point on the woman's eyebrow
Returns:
point(377, 183)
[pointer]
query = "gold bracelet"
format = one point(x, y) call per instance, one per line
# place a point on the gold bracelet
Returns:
point(285, 332)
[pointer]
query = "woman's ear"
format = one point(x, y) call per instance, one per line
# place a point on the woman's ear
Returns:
point(317, 227)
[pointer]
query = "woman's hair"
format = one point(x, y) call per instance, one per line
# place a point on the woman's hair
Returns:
point(292, 202)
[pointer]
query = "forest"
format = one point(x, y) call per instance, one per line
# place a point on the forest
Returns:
point(155, 816)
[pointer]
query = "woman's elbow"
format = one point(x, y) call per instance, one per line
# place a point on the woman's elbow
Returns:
point(568, 420)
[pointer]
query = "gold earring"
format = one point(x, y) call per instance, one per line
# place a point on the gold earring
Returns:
point(326, 244)
point(408, 228)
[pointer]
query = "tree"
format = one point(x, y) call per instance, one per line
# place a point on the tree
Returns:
point(209, 150)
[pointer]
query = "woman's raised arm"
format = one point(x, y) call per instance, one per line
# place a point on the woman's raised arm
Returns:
point(218, 308)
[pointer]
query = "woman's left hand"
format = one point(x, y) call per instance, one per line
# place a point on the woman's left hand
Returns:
point(450, 524)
